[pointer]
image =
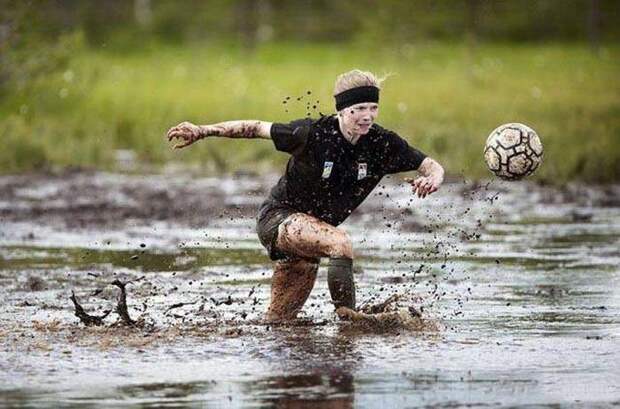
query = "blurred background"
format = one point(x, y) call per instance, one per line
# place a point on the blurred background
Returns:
point(96, 84)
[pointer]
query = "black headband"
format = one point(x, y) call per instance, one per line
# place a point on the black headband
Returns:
point(355, 96)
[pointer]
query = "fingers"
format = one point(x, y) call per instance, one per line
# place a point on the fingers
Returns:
point(173, 130)
point(428, 188)
point(180, 131)
point(186, 131)
point(422, 192)
point(422, 186)
point(187, 140)
point(182, 145)
point(176, 134)
point(418, 186)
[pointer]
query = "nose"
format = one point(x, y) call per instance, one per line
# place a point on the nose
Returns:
point(367, 118)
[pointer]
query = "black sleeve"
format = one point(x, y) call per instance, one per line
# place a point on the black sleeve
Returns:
point(400, 157)
point(291, 137)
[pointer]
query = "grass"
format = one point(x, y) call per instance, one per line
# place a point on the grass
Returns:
point(444, 98)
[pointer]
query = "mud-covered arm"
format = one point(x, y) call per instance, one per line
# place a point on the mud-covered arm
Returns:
point(189, 133)
point(431, 178)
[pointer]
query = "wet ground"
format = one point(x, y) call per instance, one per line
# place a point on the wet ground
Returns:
point(519, 285)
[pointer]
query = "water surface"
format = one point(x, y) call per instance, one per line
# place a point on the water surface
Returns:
point(523, 281)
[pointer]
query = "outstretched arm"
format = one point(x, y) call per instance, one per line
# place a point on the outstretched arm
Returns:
point(190, 133)
point(432, 177)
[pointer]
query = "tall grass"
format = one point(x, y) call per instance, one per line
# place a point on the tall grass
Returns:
point(443, 98)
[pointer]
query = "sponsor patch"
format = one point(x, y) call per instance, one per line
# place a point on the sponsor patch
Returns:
point(362, 171)
point(327, 169)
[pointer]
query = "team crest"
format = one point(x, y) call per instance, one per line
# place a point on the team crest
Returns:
point(327, 169)
point(362, 171)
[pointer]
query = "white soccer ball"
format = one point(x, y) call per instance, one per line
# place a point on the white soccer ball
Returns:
point(513, 151)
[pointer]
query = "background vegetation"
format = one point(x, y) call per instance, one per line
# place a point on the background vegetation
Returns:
point(81, 82)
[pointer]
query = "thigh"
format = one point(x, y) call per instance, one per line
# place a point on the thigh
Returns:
point(306, 236)
point(269, 218)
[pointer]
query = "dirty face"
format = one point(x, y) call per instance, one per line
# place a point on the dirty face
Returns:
point(357, 119)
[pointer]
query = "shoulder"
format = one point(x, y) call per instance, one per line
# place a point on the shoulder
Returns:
point(397, 154)
point(301, 135)
point(325, 122)
point(290, 127)
point(315, 123)
point(323, 128)
point(302, 122)
point(287, 129)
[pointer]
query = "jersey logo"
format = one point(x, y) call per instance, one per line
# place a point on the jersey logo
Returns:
point(327, 169)
point(362, 171)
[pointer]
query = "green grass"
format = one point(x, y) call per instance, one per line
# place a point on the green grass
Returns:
point(443, 98)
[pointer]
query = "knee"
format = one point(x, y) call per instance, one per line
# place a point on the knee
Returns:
point(308, 265)
point(342, 246)
point(297, 266)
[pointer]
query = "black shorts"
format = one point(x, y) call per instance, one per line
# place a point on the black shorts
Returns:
point(270, 215)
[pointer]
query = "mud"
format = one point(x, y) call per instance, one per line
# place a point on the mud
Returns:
point(77, 199)
point(393, 316)
point(483, 294)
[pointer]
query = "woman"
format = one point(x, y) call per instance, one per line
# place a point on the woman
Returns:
point(336, 161)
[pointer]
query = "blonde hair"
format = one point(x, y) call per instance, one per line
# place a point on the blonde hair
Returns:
point(357, 78)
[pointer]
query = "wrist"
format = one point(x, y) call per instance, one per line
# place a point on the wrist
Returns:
point(439, 178)
point(438, 173)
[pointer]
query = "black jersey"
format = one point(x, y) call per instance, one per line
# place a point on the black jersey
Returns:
point(327, 176)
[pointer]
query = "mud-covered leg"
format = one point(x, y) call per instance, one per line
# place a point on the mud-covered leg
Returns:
point(308, 236)
point(291, 285)
point(340, 282)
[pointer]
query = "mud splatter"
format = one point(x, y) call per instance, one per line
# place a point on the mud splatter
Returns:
point(389, 316)
point(120, 308)
point(84, 317)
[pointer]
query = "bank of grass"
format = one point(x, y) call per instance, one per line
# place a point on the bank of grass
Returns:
point(444, 99)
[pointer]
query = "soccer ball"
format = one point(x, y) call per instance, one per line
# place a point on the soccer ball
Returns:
point(513, 151)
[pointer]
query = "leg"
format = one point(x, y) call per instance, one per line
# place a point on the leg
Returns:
point(291, 284)
point(308, 236)
point(340, 282)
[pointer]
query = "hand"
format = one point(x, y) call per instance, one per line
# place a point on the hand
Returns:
point(187, 131)
point(425, 185)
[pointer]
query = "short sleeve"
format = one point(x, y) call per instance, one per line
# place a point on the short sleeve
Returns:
point(400, 156)
point(291, 137)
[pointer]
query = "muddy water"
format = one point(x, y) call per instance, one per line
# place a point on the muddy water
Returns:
point(521, 283)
